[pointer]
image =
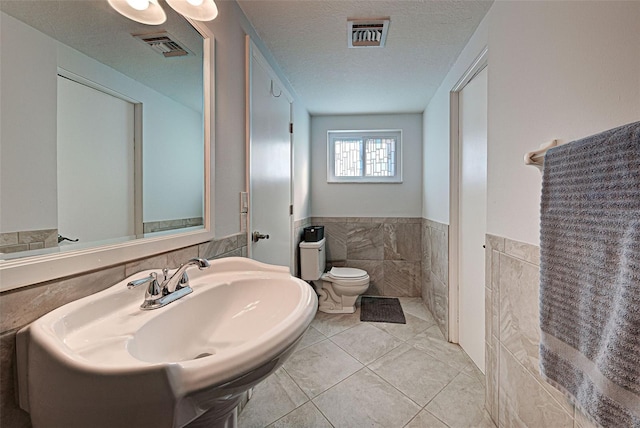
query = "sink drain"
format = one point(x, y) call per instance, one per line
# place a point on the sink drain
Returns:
point(204, 354)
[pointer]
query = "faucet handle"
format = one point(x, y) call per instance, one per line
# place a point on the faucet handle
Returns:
point(184, 281)
point(148, 279)
point(153, 290)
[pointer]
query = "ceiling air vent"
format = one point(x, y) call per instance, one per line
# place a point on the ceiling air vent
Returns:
point(163, 43)
point(367, 33)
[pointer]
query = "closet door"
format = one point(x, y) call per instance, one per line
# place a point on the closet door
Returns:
point(269, 164)
point(472, 215)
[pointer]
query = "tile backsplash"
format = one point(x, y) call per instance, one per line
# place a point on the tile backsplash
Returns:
point(516, 395)
point(21, 306)
point(435, 272)
point(159, 226)
point(26, 240)
point(388, 248)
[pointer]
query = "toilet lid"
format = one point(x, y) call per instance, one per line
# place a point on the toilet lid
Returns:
point(347, 272)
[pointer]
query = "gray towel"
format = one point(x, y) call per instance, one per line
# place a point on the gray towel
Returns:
point(590, 274)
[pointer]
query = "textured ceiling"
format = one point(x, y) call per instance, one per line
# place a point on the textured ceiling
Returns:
point(308, 39)
point(95, 29)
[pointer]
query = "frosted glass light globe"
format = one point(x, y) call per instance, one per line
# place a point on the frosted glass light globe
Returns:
point(139, 4)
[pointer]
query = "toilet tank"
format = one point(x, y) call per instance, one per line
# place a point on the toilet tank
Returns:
point(312, 260)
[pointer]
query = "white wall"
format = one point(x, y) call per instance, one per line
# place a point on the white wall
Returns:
point(561, 70)
point(557, 70)
point(229, 29)
point(435, 198)
point(367, 199)
point(301, 163)
point(172, 156)
point(28, 129)
point(173, 165)
point(230, 113)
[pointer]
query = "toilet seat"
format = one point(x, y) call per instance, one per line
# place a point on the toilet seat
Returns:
point(347, 273)
point(347, 277)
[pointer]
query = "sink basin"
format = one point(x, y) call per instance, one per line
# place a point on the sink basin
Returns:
point(101, 361)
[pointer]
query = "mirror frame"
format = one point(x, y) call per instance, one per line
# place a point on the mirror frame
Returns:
point(27, 271)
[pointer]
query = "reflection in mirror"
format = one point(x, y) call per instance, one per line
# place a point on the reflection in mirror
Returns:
point(102, 127)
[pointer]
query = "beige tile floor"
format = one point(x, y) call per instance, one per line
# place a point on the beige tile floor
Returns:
point(347, 373)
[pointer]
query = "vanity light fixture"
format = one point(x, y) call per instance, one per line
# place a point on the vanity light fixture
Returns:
point(151, 13)
point(143, 11)
point(200, 10)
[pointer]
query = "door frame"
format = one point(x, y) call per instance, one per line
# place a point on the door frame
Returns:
point(253, 53)
point(138, 223)
point(478, 64)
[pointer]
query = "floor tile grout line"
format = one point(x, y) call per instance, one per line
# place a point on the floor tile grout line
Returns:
point(417, 404)
point(308, 401)
point(404, 340)
point(311, 344)
point(367, 366)
point(375, 374)
point(322, 413)
point(348, 328)
point(440, 392)
point(442, 360)
point(298, 385)
point(394, 387)
point(482, 408)
point(434, 416)
point(285, 415)
point(387, 353)
point(333, 386)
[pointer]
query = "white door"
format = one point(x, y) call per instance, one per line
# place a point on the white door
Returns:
point(473, 215)
point(270, 165)
point(95, 163)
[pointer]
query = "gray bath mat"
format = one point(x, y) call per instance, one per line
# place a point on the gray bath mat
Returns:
point(382, 309)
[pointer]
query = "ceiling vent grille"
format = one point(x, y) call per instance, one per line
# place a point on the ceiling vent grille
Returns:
point(369, 33)
point(164, 44)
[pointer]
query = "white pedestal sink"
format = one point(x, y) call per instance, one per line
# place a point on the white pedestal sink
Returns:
point(103, 362)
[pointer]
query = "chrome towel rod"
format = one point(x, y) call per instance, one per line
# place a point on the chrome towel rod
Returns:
point(536, 158)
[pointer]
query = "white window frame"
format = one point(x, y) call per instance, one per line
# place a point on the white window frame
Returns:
point(332, 135)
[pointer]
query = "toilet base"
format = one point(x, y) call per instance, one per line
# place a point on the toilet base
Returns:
point(329, 310)
point(331, 303)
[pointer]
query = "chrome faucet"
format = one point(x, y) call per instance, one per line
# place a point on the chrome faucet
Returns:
point(172, 288)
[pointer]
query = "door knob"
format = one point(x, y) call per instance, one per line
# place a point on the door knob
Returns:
point(258, 236)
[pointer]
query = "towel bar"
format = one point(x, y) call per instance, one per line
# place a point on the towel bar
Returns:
point(536, 158)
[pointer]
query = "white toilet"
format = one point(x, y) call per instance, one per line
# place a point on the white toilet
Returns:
point(339, 288)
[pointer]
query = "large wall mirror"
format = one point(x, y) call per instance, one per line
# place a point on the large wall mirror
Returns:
point(105, 137)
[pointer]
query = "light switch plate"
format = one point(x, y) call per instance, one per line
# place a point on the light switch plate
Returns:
point(244, 202)
point(243, 222)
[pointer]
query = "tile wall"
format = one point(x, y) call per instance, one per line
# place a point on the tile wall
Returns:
point(181, 223)
point(13, 242)
point(516, 395)
point(435, 272)
point(21, 306)
point(388, 248)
